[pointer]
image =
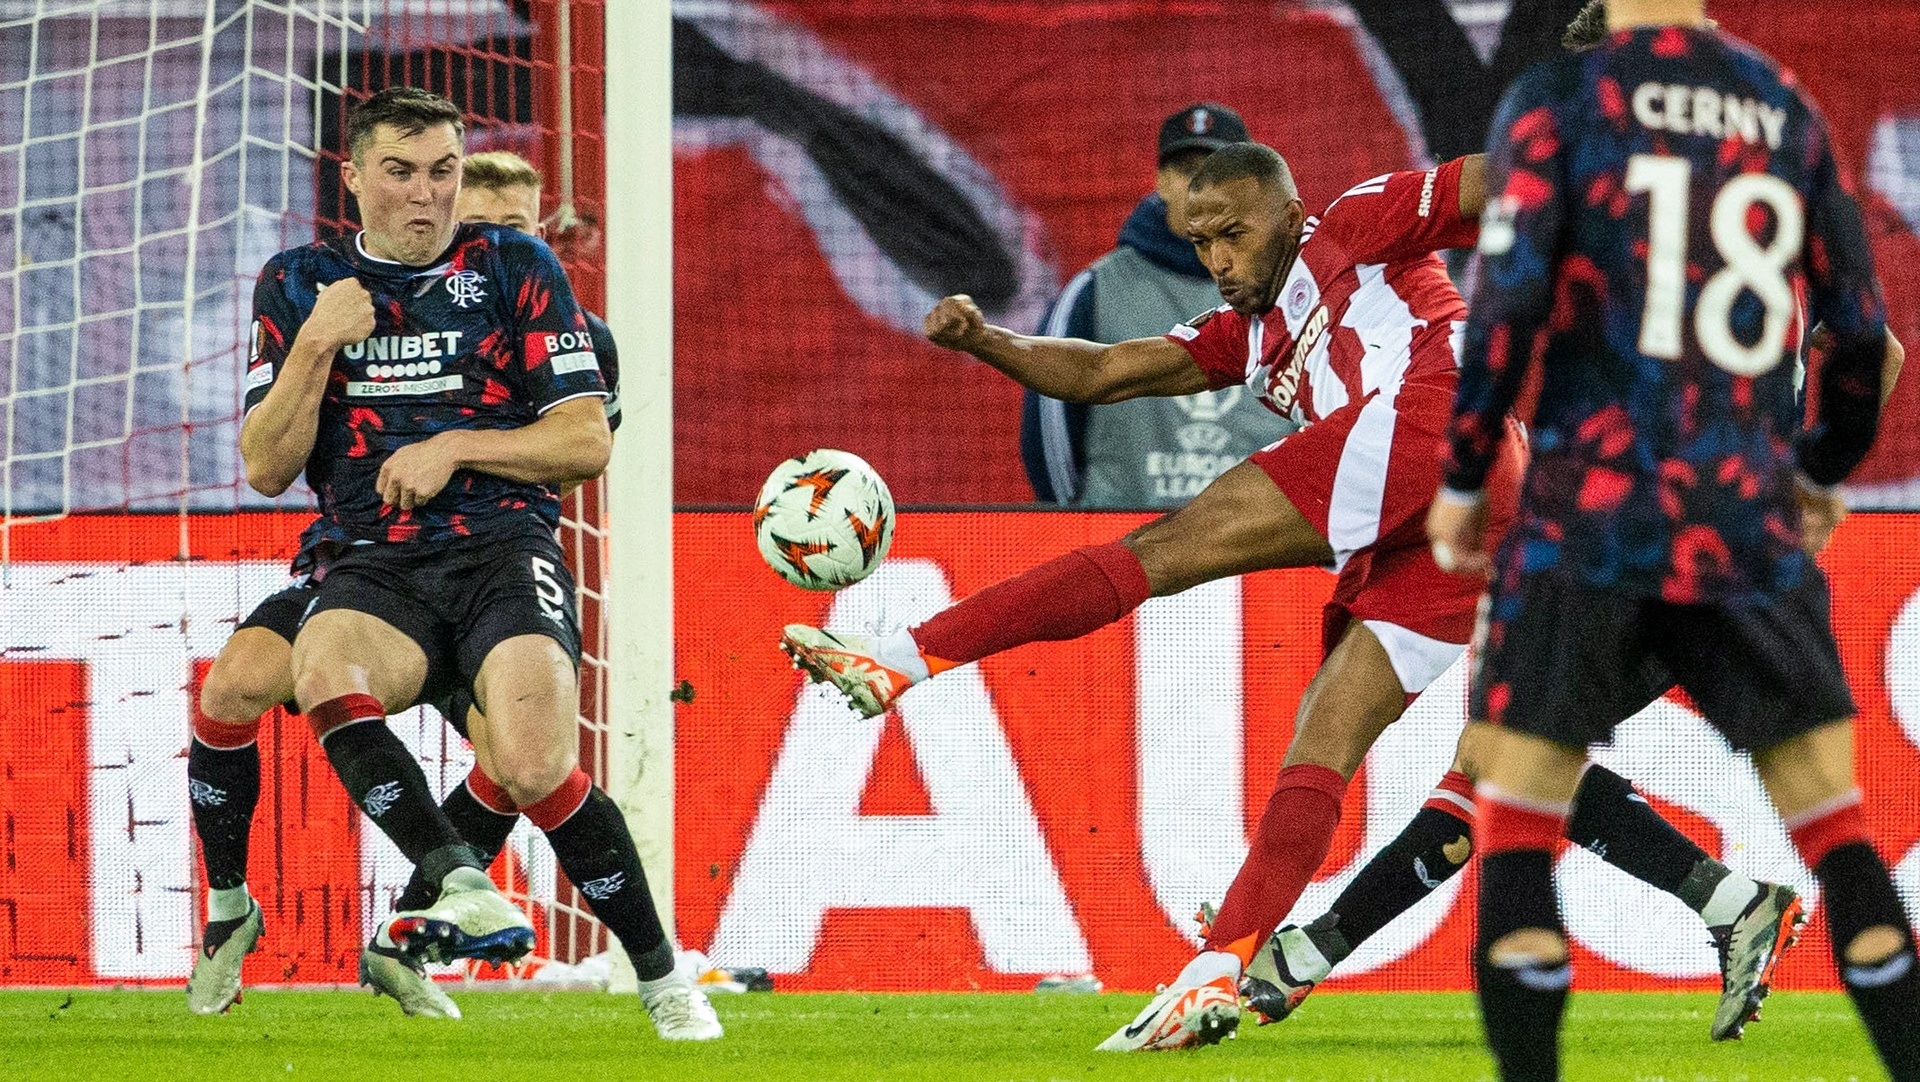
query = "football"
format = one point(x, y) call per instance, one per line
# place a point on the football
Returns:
point(824, 520)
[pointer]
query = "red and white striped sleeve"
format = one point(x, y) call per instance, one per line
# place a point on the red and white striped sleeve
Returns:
point(1216, 339)
point(1399, 216)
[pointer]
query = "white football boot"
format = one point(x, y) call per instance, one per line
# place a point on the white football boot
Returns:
point(1201, 1007)
point(215, 983)
point(390, 972)
point(680, 1011)
point(471, 919)
point(1750, 950)
point(1282, 974)
point(851, 663)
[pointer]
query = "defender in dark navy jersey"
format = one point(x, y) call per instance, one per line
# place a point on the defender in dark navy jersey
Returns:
point(1659, 209)
point(253, 673)
point(437, 384)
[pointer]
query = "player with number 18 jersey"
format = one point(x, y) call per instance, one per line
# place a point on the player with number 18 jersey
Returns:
point(1690, 190)
point(1664, 221)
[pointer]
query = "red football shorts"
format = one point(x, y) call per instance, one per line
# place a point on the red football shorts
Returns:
point(1363, 477)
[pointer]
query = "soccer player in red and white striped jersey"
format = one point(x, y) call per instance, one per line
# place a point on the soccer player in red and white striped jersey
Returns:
point(1345, 323)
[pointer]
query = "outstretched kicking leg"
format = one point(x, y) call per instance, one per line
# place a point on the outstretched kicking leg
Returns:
point(1239, 523)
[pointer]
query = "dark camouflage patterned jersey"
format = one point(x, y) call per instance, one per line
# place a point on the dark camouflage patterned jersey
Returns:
point(1664, 221)
point(488, 336)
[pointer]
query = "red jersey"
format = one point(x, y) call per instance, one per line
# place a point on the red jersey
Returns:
point(1366, 306)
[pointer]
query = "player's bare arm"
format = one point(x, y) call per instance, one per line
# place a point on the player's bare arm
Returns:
point(278, 434)
point(1069, 369)
point(1473, 186)
point(569, 445)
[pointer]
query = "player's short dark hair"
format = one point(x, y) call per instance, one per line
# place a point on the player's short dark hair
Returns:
point(1588, 29)
point(407, 109)
point(497, 169)
point(1237, 161)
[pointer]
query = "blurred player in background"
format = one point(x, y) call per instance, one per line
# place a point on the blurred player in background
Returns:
point(252, 675)
point(477, 395)
point(1673, 496)
point(1145, 452)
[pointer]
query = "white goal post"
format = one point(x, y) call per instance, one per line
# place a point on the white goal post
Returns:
point(639, 235)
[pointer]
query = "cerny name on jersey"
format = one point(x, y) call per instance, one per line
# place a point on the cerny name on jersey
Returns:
point(1702, 110)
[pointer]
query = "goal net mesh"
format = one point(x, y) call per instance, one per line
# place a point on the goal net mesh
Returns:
point(153, 155)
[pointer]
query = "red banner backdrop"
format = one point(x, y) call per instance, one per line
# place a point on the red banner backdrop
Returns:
point(1062, 808)
point(790, 808)
point(106, 636)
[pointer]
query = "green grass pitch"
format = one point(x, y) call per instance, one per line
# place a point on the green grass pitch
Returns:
point(579, 1036)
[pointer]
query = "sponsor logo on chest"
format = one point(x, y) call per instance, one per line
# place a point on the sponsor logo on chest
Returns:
point(1284, 387)
point(400, 361)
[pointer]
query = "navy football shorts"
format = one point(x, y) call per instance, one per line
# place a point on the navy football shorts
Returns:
point(459, 599)
point(281, 613)
point(1567, 662)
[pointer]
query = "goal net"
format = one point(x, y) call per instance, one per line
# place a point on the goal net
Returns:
point(153, 155)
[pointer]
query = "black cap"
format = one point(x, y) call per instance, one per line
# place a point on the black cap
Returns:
point(1204, 126)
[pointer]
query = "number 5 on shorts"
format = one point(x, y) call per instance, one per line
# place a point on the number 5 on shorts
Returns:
point(553, 595)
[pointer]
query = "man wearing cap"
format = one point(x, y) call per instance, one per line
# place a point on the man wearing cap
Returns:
point(1148, 452)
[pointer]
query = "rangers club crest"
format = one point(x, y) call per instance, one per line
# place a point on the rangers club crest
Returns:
point(464, 287)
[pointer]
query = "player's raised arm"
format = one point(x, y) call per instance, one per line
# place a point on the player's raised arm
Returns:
point(285, 380)
point(1069, 369)
point(1407, 214)
point(1473, 187)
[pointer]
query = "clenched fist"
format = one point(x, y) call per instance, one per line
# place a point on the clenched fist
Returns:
point(342, 315)
point(956, 322)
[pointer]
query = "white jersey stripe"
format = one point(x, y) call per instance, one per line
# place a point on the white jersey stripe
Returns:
point(1360, 482)
point(1445, 796)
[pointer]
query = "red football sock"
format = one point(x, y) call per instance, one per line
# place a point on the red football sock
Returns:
point(1064, 598)
point(1821, 829)
point(1454, 795)
point(557, 807)
point(1293, 839)
point(224, 735)
point(1506, 822)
